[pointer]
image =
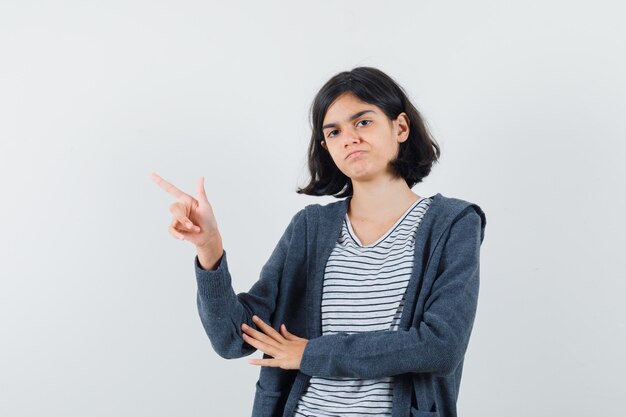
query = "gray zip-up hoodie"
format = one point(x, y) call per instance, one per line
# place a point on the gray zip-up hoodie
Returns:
point(425, 354)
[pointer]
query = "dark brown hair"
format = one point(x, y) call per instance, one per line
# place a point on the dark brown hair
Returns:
point(416, 156)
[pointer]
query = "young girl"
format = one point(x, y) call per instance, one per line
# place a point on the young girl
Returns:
point(366, 304)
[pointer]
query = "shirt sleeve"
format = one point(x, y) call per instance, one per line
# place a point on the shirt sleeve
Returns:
point(222, 311)
point(438, 343)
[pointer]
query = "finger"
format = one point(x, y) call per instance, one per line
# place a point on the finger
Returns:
point(181, 227)
point(183, 224)
point(170, 188)
point(264, 362)
point(259, 336)
point(176, 233)
point(180, 220)
point(267, 329)
point(263, 347)
point(201, 193)
point(285, 333)
point(180, 215)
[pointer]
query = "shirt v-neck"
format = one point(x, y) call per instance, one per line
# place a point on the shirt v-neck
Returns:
point(387, 233)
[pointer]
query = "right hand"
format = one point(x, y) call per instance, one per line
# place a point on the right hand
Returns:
point(193, 220)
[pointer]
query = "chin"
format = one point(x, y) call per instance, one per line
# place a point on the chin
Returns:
point(364, 176)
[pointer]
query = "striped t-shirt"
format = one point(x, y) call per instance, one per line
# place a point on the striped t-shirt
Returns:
point(363, 291)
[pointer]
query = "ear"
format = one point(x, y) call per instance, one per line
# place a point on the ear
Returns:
point(402, 125)
point(323, 145)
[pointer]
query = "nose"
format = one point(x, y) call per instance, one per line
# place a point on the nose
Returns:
point(350, 136)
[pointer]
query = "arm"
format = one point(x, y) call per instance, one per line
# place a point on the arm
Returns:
point(222, 311)
point(439, 342)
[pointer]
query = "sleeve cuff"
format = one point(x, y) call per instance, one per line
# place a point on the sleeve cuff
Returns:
point(309, 364)
point(216, 283)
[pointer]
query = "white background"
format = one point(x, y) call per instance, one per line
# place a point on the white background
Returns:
point(97, 301)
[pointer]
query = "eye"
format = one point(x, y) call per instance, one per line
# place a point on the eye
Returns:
point(330, 134)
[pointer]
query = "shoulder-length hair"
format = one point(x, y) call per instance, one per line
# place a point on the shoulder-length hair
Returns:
point(416, 156)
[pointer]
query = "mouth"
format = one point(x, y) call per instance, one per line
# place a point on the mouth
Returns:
point(353, 154)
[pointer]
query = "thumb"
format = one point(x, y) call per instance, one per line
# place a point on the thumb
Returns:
point(201, 192)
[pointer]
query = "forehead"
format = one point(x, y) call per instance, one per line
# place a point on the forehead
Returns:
point(345, 106)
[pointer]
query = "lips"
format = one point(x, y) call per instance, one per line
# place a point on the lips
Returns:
point(354, 153)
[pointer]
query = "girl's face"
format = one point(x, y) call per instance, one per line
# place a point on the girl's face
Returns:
point(361, 139)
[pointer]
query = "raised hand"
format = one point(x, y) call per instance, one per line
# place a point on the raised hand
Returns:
point(193, 219)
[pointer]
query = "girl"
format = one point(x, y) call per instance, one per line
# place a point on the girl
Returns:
point(366, 304)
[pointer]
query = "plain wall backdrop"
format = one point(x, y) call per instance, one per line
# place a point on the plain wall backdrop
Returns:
point(98, 302)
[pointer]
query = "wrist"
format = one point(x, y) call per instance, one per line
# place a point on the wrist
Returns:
point(209, 254)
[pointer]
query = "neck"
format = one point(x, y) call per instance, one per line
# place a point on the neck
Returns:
point(381, 199)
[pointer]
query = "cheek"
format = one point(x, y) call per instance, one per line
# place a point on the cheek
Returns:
point(392, 148)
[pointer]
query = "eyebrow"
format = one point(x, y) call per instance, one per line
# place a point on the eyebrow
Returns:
point(354, 116)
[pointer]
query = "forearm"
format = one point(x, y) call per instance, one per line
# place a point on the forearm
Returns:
point(387, 353)
point(221, 311)
point(437, 345)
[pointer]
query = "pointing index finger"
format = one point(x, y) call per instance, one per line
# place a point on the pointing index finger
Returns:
point(170, 188)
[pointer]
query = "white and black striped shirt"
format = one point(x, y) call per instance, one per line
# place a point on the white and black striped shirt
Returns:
point(363, 291)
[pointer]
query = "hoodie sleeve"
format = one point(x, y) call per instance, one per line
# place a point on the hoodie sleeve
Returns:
point(438, 343)
point(222, 311)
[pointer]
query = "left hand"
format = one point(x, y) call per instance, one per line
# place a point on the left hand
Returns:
point(285, 348)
